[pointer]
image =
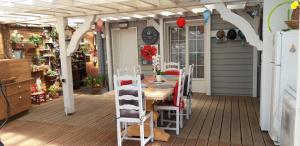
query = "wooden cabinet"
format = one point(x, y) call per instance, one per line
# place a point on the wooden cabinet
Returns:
point(18, 93)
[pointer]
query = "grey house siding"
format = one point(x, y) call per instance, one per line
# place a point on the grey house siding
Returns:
point(231, 64)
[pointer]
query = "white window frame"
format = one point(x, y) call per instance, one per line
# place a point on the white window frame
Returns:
point(194, 22)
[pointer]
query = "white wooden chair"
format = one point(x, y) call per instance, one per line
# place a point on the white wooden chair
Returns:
point(188, 92)
point(169, 106)
point(122, 71)
point(137, 70)
point(171, 66)
point(131, 109)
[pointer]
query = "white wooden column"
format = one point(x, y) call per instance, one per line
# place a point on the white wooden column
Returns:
point(161, 41)
point(207, 56)
point(66, 68)
point(109, 55)
point(297, 122)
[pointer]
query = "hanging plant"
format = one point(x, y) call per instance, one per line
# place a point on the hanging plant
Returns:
point(294, 5)
point(35, 39)
point(148, 51)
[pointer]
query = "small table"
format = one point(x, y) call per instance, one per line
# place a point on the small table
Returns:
point(154, 92)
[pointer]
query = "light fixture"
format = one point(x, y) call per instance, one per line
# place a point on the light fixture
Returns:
point(198, 10)
point(166, 13)
point(113, 18)
point(125, 18)
point(138, 16)
point(179, 13)
point(151, 15)
point(236, 5)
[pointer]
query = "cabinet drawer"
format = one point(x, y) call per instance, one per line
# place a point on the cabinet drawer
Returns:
point(18, 87)
point(20, 102)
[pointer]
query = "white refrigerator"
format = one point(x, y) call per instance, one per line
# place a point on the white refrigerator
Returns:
point(284, 72)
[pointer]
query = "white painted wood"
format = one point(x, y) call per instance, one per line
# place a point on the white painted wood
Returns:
point(137, 70)
point(240, 23)
point(297, 121)
point(125, 50)
point(171, 66)
point(109, 55)
point(66, 68)
point(207, 56)
point(78, 34)
point(152, 22)
point(140, 107)
point(279, 17)
point(122, 71)
point(161, 41)
point(176, 108)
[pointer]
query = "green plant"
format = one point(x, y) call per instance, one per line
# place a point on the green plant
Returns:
point(100, 80)
point(52, 90)
point(38, 60)
point(16, 38)
point(35, 39)
point(95, 82)
point(51, 73)
point(54, 34)
point(84, 48)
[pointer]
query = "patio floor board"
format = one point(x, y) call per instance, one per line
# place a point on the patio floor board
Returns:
point(216, 120)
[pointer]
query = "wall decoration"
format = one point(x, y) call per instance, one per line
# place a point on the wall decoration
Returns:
point(148, 52)
point(220, 35)
point(150, 35)
point(231, 34)
point(206, 15)
point(181, 22)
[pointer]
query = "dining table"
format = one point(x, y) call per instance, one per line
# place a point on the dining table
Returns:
point(154, 92)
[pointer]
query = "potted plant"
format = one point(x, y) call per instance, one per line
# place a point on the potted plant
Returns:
point(36, 39)
point(51, 76)
point(52, 91)
point(95, 84)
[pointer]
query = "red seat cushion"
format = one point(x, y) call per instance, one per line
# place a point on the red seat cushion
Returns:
point(175, 93)
point(126, 82)
point(171, 72)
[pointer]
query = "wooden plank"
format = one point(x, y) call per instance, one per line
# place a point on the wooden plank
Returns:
point(217, 123)
point(226, 124)
point(235, 122)
point(254, 124)
point(193, 135)
point(245, 127)
point(206, 129)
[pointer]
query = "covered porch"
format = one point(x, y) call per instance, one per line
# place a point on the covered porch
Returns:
point(216, 120)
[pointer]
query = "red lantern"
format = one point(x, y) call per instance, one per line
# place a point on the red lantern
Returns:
point(181, 22)
point(148, 51)
point(99, 25)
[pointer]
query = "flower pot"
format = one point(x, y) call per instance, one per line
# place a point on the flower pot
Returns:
point(158, 78)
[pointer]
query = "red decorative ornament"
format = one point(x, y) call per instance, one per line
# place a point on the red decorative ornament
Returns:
point(148, 51)
point(181, 22)
point(99, 25)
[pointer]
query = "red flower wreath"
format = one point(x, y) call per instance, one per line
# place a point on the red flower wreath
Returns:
point(148, 51)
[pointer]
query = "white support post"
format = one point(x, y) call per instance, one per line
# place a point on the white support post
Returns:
point(78, 34)
point(66, 68)
point(207, 56)
point(297, 121)
point(109, 55)
point(161, 41)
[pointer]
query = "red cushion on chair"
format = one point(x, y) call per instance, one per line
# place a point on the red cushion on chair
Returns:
point(126, 82)
point(175, 93)
point(171, 72)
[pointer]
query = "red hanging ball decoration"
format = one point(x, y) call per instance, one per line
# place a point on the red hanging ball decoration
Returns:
point(181, 22)
point(148, 51)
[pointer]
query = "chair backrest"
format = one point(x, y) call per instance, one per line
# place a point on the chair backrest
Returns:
point(190, 78)
point(129, 97)
point(180, 90)
point(137, 70)
point(122, 71)
point(171, 66)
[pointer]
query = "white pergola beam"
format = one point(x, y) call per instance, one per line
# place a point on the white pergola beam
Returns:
point(78, 34)
point(240, 23)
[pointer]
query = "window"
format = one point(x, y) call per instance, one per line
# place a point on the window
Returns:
point(195, 50)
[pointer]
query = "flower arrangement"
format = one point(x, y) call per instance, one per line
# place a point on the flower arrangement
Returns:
point(148, 52)
point(36, 39)
point(294, 4)
point(156, 64)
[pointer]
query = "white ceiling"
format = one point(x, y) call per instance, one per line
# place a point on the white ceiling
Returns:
point(44, 12)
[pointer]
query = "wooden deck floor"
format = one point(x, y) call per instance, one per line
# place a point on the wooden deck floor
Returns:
point(215, 121)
